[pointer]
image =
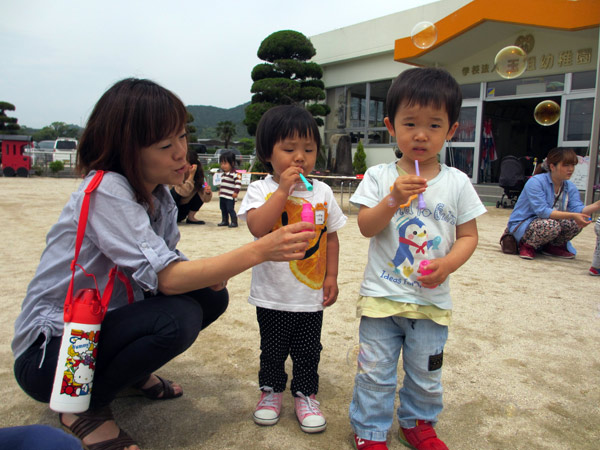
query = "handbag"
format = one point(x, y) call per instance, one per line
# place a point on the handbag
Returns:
point(508, 242)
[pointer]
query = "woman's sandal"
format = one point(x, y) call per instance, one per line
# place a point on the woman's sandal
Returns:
point(164, 387)
point(88, 421)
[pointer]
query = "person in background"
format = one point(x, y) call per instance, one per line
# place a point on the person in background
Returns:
point(230, 187)
point(190, 195)
point(549, 212)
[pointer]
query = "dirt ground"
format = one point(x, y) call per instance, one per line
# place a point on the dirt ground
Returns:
point(521, 366)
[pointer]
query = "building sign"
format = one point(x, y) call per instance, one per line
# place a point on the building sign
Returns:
point(565, 58)
point(547, 61)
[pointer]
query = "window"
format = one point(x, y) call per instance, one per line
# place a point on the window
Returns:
point(579, 119)
point(358, 111)
point(583, 80)
point(470, 90)
point(550, 83)
point(466, 125)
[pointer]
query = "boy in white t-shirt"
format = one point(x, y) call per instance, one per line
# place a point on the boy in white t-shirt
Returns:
point(290, 296)
point(402, 309)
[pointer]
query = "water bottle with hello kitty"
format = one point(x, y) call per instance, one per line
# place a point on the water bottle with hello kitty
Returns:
point(74, 375)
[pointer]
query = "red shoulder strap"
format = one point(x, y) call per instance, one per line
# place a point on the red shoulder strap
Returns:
point(81, 226)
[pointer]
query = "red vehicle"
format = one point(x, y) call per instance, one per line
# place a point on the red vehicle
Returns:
point(14, 162)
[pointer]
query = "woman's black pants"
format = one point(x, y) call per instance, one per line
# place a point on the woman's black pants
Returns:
point(135, 341)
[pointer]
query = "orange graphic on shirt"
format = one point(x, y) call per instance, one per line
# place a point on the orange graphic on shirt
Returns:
point(311, 269)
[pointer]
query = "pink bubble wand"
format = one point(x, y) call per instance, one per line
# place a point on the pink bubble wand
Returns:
point(422, 204)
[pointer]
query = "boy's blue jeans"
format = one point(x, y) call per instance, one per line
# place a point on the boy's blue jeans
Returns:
point(422, 343)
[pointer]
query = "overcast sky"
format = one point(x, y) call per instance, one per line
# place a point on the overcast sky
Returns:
point(59, 56)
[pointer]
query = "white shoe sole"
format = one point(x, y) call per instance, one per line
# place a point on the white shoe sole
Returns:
point(265, 422)
point(316, 429)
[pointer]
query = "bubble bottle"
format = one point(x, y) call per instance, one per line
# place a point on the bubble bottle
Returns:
point(307, 214)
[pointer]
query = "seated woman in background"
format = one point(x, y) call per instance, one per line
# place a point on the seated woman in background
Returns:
point(549, 211)
point(190, 195)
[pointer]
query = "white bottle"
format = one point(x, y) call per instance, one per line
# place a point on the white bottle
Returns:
point(72, 389)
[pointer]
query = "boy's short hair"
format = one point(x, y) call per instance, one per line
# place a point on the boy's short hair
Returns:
point(279, 123)
point(427, 86)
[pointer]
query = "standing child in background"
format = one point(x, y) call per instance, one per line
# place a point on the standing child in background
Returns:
point(595, 269)
point(229, 190)
point(402, 310)
point(290, 297)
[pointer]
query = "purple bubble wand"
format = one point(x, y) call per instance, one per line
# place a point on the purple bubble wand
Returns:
point(422, 204)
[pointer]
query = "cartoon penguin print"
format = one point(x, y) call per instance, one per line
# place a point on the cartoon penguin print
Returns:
point(413, 244)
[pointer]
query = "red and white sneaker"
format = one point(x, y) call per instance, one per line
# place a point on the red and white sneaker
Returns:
point(268, 408)
point(555, 250)
point(421, 437)
point(308, 413)
point(594, 272)
point(363, 444)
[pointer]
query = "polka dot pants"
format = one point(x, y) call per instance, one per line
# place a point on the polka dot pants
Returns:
point(297, 334)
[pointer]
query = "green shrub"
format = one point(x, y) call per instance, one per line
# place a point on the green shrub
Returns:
point(359, 164)
point(56, 166)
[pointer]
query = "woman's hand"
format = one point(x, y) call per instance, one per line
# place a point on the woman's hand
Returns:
point(286, 243)
point(582, 220)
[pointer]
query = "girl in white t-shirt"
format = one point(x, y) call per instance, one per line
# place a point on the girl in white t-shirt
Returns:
point(290, 296)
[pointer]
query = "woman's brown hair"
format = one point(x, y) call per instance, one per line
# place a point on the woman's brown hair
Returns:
point(555, 156)
point(131, 115)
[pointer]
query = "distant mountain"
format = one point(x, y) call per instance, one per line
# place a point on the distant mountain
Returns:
point(207, 117)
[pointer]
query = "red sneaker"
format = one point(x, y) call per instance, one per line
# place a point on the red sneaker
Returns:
point(554, 250)
point(526, 251)
point(594, 272)
point(421, 437)
point(363, 444)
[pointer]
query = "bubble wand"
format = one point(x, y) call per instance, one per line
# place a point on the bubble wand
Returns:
point(422, 204)
point(306, 183)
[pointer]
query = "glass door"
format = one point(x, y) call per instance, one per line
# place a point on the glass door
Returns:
point(462, 151)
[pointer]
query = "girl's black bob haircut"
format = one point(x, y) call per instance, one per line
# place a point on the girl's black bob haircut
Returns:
point(279, 123)
point(228, 157)
point(425, 87)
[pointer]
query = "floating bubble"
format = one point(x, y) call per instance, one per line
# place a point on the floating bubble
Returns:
point(424, 34)
point(510, 62)
point(362, 356)
point(547, 113)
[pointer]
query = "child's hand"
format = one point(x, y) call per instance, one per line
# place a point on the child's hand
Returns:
point(193, 169)
point(289, 178)
point(330, 290)
point(406, 186)
point(438, 276)
point(234, 195)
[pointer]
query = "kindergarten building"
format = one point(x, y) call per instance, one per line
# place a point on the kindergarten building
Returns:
point(561, 41)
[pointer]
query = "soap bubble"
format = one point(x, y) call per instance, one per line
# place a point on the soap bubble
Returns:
point(362, 356)
point(424, 34)
point(510, 62)
point(547, 113)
